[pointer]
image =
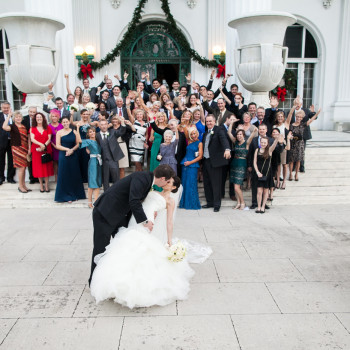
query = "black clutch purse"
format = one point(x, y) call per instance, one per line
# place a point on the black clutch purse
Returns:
point(46, 158)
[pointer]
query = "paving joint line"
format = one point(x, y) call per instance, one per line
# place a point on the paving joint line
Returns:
point(234, 329)
point(273, 298)
point(121, 333)
point(9, 332)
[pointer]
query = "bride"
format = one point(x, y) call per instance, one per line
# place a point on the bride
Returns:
point(135, 270)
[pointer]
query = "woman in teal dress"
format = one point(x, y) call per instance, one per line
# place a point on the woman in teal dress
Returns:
point(190, 166)
point(95, 164)
point(161, 121)
point(238, 167)
point(69, 182)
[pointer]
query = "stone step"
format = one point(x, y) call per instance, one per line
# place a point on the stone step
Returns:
point(328, 157)
point(327, 150)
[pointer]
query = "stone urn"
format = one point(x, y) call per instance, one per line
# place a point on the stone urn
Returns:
point(261, 58)
point(32, 59)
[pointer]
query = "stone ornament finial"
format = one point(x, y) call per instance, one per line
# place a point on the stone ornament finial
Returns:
point(327, 4)
point(115, 3)
point(191, 3)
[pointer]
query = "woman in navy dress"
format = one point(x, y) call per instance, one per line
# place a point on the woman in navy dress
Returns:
point(190, 165)
point(95, 164)
point(69, 182)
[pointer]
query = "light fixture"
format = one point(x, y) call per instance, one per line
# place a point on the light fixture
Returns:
point(90, 50)
point(217, 50)
point(84, 55)
point(78, 51)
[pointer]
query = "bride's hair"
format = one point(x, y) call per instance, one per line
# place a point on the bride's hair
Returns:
point(177, 183)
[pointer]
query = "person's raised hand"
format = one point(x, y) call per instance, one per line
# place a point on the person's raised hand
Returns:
point(273, 101)
point(290, 135)
point(212, 73)
point(312, 109)
point(66, 76)
point(116, 76)
point(143, 75)
point(280, 138)
point(188, 77)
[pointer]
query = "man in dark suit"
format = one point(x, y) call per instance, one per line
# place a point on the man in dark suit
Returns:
point(112, 101)
point(114, 208)
point(103, 96)
point(141, 91)
point(118, 108)
point(110, 151)
point(59, 106)
point(92, 91)
point(216, 153)
point(5, 147)
point(27, 122)
point(171, 112)
point(155, 88)
point(309, 113)
point(255, 144)
point(175, 92)
point(210, 99)
point(220, 113)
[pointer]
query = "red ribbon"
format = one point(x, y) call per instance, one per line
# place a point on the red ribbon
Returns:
point(221, 70)
point(24, 96)
point(86, 70)
point(281, 93)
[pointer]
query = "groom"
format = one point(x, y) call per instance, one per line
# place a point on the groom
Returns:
point(114, 207)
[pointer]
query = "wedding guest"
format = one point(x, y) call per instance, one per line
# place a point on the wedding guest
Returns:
point(182, 98)
point(141, 91)
point(55, 126)
point(297, 151)
point(155, 85)
point(110, 151)
point(59, 106)
point(123, 141)
point(95, 164)
point(78, 92)
point(221, 113)
point(102, 107)
point(20, 146)
point(247, 125)
point(237, 107)
point(199, 122)
point(253, 111)
point(156, 139)
point(153, 97)
point(193, 103)
point(216, 153)
point(69, 182)
point(171, 112)
point(167, 150)
point(40, 137)
point(280, 124)
point(112, 100)
point(238, 166)
point(163, 100)
point(5, 148)
point(190, 166)
point(262, 166)
point(27, 122)
point(93, 91)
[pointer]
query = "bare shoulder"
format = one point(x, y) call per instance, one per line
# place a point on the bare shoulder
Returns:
point(170, 202)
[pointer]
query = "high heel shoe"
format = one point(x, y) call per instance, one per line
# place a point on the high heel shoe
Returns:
point(22, 191)
point(258, 211)
point(42, 191)
point(90, 205)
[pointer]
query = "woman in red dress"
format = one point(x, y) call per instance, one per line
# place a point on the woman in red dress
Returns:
point(40, 135)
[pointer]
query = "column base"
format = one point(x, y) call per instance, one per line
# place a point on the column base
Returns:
point(261, 99)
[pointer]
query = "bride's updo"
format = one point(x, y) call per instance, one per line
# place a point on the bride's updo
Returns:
point(177, 184)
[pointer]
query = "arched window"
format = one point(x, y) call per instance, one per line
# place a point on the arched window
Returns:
point(302, 61)
point(8, 92)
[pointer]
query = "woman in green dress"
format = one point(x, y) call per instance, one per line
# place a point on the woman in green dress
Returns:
point(238, 167)
point(161, 122)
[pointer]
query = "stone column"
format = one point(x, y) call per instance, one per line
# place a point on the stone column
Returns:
point(342, 104)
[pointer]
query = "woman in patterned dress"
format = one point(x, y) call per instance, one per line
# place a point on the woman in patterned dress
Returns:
point(238, 167)
point(20, 146)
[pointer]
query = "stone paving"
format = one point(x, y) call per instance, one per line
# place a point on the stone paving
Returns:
point(279, 281)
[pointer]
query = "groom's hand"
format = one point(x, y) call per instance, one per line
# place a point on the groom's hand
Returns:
point(149, 225)
point(155, 215)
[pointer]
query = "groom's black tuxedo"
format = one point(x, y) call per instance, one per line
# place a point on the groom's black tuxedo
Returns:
point(114, 208)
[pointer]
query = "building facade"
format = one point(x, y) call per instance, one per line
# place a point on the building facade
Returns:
point(319, 45)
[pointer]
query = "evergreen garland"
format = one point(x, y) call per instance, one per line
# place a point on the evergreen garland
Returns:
point(136, 20)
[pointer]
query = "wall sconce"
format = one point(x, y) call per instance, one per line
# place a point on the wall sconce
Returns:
point(219, 55)
point(84, 55)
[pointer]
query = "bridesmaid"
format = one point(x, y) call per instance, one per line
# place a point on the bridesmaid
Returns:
point(40, 136)
point(190, 166)
point(69, 182)
point(55, 126)
point(95, 164)
point(19, 147)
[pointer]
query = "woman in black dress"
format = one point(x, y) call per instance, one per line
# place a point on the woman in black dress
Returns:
point(263, 171)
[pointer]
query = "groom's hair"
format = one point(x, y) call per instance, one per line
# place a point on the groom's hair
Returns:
point(164, 170)
point(177, 183)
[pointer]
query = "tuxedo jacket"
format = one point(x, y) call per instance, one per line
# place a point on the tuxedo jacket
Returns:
point(65, 112)
point(177, 114)
point(112, 107)
point(218, 143)
point(145, 96)
point(255, 144)
point(113, 144)
point(26, 122)
point(4, 136)
point(150, 90)
point(125, 198)
point(216, 112)
point(308, 115)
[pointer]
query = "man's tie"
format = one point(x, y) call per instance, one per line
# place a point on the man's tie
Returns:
point(219, 119)
point(120, 112)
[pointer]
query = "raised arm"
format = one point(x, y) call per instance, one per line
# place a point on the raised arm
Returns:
point(252, 135)
point(229, 133)
point(6, 125)
point(289, 137)
point(225, 97)
point(67, 84)
point(280, 138)
point(313, 118)
point(289, 118)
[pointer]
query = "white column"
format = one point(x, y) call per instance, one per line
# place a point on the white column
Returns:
point(342, 105)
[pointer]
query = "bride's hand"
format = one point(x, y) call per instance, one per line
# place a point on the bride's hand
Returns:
point(149, 225)
point(155, 215)
point(169, 243)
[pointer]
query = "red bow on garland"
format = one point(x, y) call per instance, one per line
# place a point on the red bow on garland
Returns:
point(281, 93)
point(221, 70)
point(24, 96)
point(86, 70)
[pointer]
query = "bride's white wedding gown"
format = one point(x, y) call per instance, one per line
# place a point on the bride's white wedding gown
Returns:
point(135, 271)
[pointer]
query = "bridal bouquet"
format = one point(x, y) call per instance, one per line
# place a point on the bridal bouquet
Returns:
point(90, 106)
point(177, 252)
point(74, 107)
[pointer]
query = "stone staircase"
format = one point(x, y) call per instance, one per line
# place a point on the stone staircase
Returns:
point(326, 181)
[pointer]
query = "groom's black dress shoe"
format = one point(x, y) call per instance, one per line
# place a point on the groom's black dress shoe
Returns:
point(206, 206)
point(216, 209)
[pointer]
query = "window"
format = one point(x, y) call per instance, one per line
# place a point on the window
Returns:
point(303, 61)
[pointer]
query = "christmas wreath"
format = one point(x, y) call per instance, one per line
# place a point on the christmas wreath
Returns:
point(290, 84)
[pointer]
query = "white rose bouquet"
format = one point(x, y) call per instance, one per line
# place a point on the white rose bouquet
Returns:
point(90, 106)
point(177, 252)
point(74, 107)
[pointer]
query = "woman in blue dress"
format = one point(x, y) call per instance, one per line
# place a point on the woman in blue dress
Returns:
point(69, 182)
point(95, 164)
point(190, 165)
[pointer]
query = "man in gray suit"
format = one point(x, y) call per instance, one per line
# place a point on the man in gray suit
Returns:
point(111, 151)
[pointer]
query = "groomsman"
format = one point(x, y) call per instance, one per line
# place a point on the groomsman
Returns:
point(91, 91)
point(110, 151)
point(216, 154)
point(5, 147)
point(141, 91)
point(59, 106)
point(112, 101)
point(220, 113)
